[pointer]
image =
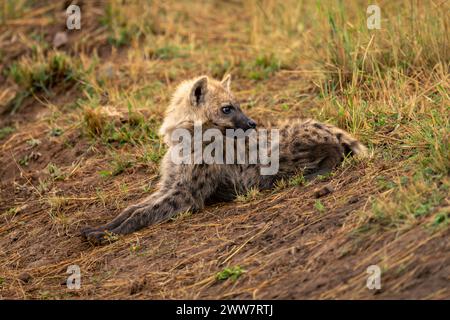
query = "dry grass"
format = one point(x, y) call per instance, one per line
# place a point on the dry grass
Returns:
point(78, 141)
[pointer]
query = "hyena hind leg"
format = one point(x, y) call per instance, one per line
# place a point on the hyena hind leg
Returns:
point(351, 145)
point(328, 157)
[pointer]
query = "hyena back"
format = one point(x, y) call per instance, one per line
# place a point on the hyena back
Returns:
point(305, 146)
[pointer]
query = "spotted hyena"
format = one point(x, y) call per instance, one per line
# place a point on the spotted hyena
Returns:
point(305, 146)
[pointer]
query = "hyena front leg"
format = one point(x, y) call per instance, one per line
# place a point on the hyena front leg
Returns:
point(186, 195)
point(124, 215)
point(164, 185)
point(159, 209)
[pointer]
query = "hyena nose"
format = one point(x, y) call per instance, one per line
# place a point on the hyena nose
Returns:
point(251, 124)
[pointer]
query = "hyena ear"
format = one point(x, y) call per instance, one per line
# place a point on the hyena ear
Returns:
point(198, 91)
point(226, 82)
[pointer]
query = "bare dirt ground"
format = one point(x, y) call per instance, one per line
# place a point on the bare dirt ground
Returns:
point(292, 243)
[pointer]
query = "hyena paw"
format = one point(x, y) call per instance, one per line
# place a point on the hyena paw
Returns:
point(96, 237)
point(85, 231)
point(99, 237)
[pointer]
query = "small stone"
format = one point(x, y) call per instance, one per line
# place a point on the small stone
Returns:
point(137, 286)
point(320, 192)
point(60, 39)
point(14, 237)
point(25, 277)
point(35, 155)
point(353, 199)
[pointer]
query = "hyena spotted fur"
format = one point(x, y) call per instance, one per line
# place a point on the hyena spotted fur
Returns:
point(305, 146)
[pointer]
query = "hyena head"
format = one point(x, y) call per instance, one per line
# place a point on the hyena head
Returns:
point(204, 100)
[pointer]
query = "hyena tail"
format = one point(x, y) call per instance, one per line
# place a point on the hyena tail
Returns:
point(331, 155)
point(350, 145)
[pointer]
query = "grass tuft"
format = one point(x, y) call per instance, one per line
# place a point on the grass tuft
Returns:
point(232, 273)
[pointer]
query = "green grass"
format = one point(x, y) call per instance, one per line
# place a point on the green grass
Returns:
point(261, 68)
point(56, 132)
point(319, 206)
point(33, 142)
point(134, 129)
point(118, 133)
point(407, 204)
point(24, 161)
point(167, 52)
point(297, 180)
point(119, 33)
point(388, 87)
point(358, 55)
point(251, 194)
point(6, 131)
point(442, 219)
point(40, 73)
point(327, 176)
point(122, 25)
point(218, 68)
point(294, 181)
point(55, 172)
point(12, 9)
point(422, 183)
point(232, 273)
point(10, 213)
point(119, 164)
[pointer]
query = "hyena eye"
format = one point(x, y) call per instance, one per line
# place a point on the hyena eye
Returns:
point(227, 109)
